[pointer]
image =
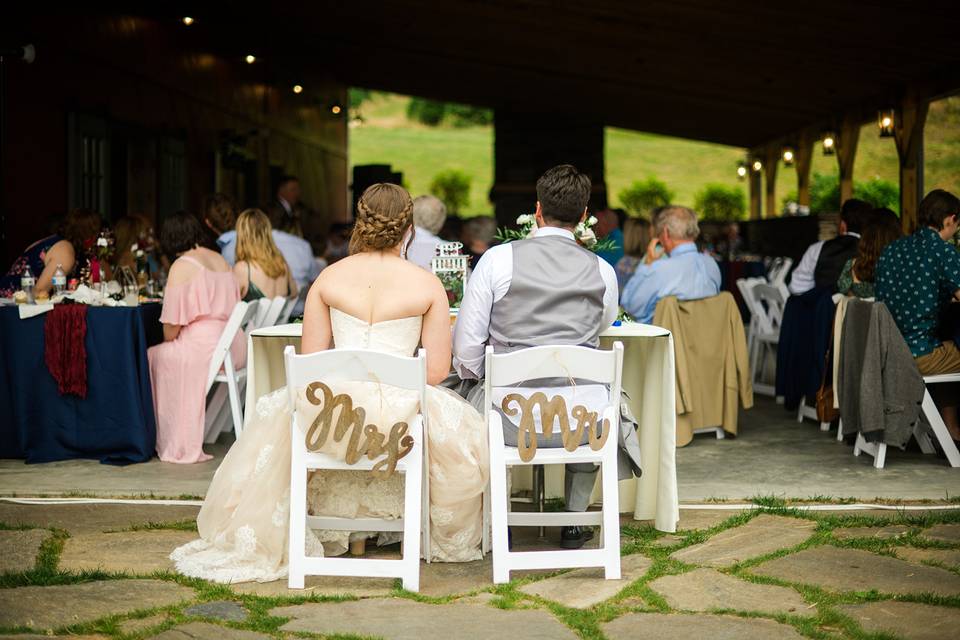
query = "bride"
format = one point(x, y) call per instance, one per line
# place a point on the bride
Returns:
point(376, 300)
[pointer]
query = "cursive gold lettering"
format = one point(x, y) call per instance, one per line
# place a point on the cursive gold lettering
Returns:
point(552, 411)
point(350, 419)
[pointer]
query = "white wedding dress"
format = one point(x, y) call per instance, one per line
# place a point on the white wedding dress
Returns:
point(243, 523)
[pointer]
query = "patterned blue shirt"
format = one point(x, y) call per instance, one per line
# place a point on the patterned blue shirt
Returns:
point(916, 276)
point(685, 273)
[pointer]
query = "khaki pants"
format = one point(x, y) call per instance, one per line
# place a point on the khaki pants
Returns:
point(943, 359)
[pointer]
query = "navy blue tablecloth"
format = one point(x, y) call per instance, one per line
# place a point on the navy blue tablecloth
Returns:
point(114, 423)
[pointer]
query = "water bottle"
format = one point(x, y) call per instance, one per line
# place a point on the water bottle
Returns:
point(27, 283)
point(59, 281)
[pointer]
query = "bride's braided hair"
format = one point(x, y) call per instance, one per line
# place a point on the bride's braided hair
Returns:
point(384, 213)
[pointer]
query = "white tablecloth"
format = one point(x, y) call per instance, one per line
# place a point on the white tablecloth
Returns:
point(648, 378)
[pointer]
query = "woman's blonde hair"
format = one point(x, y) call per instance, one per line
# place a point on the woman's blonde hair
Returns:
point(636, 236)
point(255, 243)
point(384, 213)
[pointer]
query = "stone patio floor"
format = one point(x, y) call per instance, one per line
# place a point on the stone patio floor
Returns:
point(101, 571)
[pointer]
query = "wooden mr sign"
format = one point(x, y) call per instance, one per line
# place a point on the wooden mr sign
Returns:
point(350, 421)
point(552, 410)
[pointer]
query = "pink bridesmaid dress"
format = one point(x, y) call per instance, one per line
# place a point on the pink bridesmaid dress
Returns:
point(178, 368)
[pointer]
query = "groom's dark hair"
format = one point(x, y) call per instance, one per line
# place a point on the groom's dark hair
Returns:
point(563, 193)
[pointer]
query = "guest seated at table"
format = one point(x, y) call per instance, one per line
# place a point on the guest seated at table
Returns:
point(219, 216)
point(608, 228)
point(133, 235)
point(636, 236)
point(477, 237)
point(672, 266)
point(260, 269)
point(917, 276)
point(429, 214)
point(296, 251)
point(200, 295)
point(857, 278)
point(65, 249)
point(376, 300)
point(823, 261)
point(544, 290)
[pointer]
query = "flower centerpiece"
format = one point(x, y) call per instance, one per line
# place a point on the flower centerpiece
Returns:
point(450, 265)
point(583, 232)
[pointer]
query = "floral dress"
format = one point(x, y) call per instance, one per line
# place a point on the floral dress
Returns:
point(35, 256)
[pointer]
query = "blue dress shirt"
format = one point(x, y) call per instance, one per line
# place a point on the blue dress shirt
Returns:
point(685, 273)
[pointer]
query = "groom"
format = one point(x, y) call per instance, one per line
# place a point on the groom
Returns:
point(544, 290)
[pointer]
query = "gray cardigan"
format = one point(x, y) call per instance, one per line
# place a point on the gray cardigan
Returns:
point(881, 389)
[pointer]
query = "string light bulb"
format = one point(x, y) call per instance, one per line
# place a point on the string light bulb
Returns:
point(829, 144)
point(788, 156)
point(187, 20)
point(250, 58)
point(757, 165)
point(742, 170)
point(335, 109)
point(297, 88)
point(885, 121)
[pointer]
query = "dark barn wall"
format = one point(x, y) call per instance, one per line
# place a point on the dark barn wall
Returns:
point(177, 122)
point(527, 144)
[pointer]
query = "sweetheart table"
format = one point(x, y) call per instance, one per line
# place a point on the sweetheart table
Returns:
point(648, 379)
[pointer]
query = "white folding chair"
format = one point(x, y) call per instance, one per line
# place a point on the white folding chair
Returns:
point(745, 286)
point(768, 303)
point(287, 310)
point(261, 307)
point(343, 365)
point(777, 274)
point(504, 370)
point(222, 370)
point(935, 425)
point(274, 308)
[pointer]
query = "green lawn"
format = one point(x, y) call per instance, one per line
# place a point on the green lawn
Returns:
point(685, 165)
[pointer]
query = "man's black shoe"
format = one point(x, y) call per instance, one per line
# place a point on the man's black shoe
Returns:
point(574, 537)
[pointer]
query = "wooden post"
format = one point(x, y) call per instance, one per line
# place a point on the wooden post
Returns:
point(756, 189)
point(770, 162)
point(804, 158)
point(908, 133)
point(846, 154)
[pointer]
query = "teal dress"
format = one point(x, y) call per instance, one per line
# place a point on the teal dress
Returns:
point(253, 291)
point(847, 286)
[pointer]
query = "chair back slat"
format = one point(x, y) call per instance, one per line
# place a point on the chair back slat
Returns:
point(550, 362)
point(768, 304)
point(241, 315)
point(355, 365)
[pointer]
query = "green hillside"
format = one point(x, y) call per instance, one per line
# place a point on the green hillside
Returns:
point(420, 152)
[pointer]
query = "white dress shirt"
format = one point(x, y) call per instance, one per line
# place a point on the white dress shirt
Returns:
point(423, 248)
point(488, 284)
point(801, 280)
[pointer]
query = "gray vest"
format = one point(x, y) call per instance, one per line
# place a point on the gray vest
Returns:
point(555, 297)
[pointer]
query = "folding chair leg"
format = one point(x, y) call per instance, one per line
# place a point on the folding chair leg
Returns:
point(298, 522)
point(940, 430)
point(235, 411)
point(413, 479)
point(485, 535)
point(498, 516)
point(803, 405)
point(840, 430)
point(611, 516)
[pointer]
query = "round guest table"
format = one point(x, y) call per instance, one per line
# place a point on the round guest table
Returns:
point(648, 380)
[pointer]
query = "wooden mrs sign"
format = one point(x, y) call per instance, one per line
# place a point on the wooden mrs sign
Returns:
point(350, 419)
point(551, 410)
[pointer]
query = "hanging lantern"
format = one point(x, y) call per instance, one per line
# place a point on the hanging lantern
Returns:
point(788, 156)
point(742, 169)
point(886, 121)
point(829, 143)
